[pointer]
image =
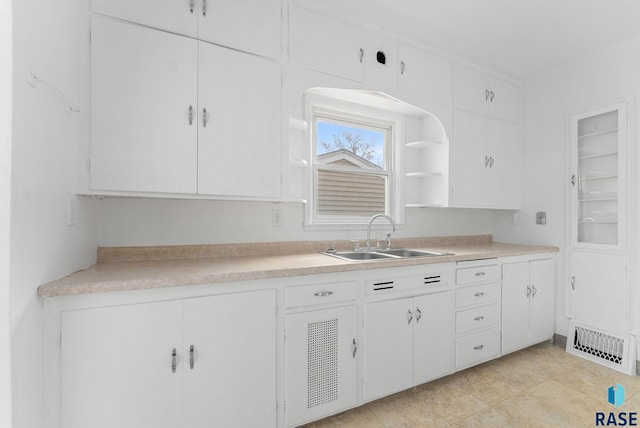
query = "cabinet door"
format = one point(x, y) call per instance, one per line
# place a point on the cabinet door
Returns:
point(234, 360)
point(505, 164)
point(543, 291)
point(424, 76)
point(504, 100)
point(327, 45)
point(434, 334)
point(175, 16)
point(388, 344)
point(117, 367)
point(471, 90)
point(515, 306)
point(239, 140)
point(597, 289)
point(469, 158)
point(321, 363)
point(143, 85)
point(247, 25)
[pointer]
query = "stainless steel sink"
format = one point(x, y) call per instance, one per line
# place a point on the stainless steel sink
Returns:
point(403, 252)
point(396, 253)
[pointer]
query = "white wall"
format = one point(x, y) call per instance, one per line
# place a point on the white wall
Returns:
point(606, 77)
point(130, 221)
point(43, 168)
point(6, 65)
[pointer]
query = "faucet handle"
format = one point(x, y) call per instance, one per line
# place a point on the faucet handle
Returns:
point(378, 244)
point(388, 241)
point(356, 244)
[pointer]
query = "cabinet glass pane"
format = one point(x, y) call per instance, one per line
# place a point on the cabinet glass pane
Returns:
point(598, 205)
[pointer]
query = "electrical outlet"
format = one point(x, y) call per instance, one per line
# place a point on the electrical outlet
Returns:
point(541, 217)
point(277, 218)
point(513, 218)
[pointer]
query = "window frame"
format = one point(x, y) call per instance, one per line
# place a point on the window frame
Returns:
point(392, 123)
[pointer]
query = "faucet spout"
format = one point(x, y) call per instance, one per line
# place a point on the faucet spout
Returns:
point(393, 229)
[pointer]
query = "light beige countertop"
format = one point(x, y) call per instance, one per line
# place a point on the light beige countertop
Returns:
point(137, 268)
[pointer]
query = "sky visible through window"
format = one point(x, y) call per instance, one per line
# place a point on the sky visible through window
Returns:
point(364, 142)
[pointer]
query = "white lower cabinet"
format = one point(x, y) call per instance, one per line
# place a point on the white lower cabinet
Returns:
point(407, 342)
point(528, 296)
point(193, 362)
point(321, 363)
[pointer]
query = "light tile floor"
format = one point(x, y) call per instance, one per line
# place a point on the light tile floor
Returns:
point(541, 386)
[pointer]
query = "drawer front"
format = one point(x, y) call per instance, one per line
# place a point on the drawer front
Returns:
point(318, 294)
point(478, 274)
point(477, 318)
point(477, 347)
point(477, 295)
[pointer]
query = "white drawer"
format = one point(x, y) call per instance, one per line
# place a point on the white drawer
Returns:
point(317, 294)
point(478, 274)
point(477, 318)
point(477, 294)
point(477, 347)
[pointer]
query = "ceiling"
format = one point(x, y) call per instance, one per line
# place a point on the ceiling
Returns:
point(520, 38)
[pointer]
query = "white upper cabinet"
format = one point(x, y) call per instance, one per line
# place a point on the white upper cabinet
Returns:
point(423, 76)
point(239, 149)
point(143, 136)
point(327, 45)
point(486, 95)
point(248, 25)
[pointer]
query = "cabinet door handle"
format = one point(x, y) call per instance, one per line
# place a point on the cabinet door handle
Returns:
point(486, 95)
point(174, 360)
point(323, 293)
point(528, 291)
point(355, 347)
point(361, 54)
point(402, 65)
point(480, 294)
point(419, 314)
point(205, 116)
point(573, 282)
point(486, 162)
point(192, 5)
point(204, 7)
point(479, 347)
point(190, 115)
point(534, 290)
point(490, 161)
point(478, 319)
point(490, 97)
point(191, 357)
point(410, 317)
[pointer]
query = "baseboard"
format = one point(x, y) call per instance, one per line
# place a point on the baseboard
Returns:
point(560, 340)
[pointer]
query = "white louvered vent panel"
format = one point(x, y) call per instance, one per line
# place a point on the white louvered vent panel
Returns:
point(616, 351)
point(322, 367)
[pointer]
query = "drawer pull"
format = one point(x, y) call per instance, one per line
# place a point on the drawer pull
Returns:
point(478, 348)
point(323, 293)
point(480, 273)
point(479, 294)
point(478, 319)
point(174, 358)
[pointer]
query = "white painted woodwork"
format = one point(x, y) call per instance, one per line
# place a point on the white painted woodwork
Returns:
point(528, 302)
point(597, 289)
point(116, 366)
point(239, 149)
point(234, 339)
point(433, 344)
point(485, 162)
point(486, 95)
point(327, 45)
point(477, 347)
point(248, 25)
point(141, 139)
point(314, 385)
point(170, 15)
point(423, 76)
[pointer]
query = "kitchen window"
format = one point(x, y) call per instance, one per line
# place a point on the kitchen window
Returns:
point(353, 159)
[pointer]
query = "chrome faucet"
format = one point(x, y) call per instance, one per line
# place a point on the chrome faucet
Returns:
point(393, 229)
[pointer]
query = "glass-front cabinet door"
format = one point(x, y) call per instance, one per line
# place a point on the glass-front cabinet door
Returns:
point(598, 178)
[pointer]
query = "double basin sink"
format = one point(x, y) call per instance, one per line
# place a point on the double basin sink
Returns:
point(395, 253)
